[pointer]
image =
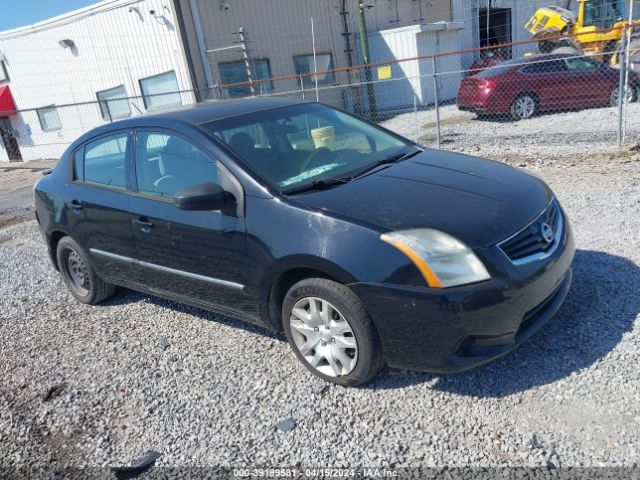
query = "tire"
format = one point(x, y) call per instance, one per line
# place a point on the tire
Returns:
point(524, 106)
point(349, 326)
point(632, 95)
point(78, 274)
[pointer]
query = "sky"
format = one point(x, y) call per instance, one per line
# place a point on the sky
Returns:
point(18, 13)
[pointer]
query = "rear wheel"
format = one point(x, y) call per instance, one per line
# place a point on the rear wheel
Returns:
point(523, 107)
point(330, 332)
point(78, 274)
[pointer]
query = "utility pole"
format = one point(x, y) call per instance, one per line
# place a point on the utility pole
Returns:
point(364, 45)
point(247, 60)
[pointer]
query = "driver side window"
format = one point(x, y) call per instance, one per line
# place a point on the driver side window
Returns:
point(167, 164)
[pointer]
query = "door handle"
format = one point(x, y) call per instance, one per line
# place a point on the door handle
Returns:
point(144, 224)
point(74, 205)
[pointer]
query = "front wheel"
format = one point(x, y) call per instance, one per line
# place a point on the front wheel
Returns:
point(78, 274)
point(523, 107)
point(632, 95)
point(330, 332)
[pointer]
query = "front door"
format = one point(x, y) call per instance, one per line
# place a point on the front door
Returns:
point(196, 255)
point(9, 140)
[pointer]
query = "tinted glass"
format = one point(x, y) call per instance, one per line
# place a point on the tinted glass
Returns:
point(294, 146)
point(78, 164)
point(104, 161)
point(167, 164)
point(498, 69)
point(546, 66)
point(581, 65)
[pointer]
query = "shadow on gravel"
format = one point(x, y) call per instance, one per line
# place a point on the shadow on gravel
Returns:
point(602, 305)
point(125, 296)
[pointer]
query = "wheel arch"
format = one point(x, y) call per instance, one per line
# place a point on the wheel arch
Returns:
point(291, 270)
point(54, 238)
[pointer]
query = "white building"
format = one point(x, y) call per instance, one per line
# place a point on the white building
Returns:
point(86, 59)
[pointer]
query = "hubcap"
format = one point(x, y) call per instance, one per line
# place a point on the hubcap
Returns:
point(77, 272)
point(525, 106)
point(323, 337)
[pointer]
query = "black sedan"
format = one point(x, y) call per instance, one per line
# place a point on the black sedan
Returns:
point(363, 247)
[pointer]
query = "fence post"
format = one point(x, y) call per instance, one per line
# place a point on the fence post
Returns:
point(302, 86)
point(622, 60)
point(436, 102)
point(315, 63)
point(627, 67)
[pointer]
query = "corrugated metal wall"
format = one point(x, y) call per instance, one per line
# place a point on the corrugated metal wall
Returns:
point(278, 30)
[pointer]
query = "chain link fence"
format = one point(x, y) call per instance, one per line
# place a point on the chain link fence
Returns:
point(558, 104)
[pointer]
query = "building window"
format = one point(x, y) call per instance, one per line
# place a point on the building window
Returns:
point(160, 91)
point(113, 103)
point(4, 76)
point(304, 66)
point(49, 118)
point(236, 72)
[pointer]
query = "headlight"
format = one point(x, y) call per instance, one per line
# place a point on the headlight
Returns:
point(443, 260)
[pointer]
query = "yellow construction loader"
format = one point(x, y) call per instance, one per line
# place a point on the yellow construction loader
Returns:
point(596, 29)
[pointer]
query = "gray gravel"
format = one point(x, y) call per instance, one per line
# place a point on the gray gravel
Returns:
point(550, 136)
point(98, 386)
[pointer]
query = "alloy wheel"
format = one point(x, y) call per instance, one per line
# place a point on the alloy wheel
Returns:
point(616, 96)
point(525, 106)
point(323, 336)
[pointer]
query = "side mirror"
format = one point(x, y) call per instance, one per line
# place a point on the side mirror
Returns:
point(204, 196)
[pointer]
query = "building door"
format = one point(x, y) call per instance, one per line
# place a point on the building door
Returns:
point(9, 140)
point(495, 29)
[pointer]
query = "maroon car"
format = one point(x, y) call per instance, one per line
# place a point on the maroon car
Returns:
point(525, 86)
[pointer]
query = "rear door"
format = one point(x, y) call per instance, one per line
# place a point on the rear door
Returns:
point(196, 255)
point(97, 204)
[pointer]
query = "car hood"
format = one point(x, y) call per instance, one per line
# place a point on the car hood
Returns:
point(480, 202)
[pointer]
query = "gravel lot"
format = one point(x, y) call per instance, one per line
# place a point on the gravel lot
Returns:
point(552, 137)
point(98, 386)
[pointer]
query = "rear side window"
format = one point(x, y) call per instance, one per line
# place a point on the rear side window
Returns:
point(104, 161)
point(545, 66)
point(78, 164)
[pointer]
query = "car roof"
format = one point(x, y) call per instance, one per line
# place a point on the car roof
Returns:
point(193, 114)
point(219, 109)
point(515, 63)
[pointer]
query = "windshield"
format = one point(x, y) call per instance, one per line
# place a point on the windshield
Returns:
point(301, 144)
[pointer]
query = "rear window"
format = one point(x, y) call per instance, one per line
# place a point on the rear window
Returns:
point(498, 69)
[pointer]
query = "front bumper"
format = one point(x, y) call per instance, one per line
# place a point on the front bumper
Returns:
point(454, 329)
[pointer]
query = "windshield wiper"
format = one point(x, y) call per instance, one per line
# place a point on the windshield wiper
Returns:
point(317, 185)
point(396, 157)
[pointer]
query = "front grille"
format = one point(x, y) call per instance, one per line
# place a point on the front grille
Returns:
point(537, 240)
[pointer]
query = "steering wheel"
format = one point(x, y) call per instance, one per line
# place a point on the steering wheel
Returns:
point(314, 157)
